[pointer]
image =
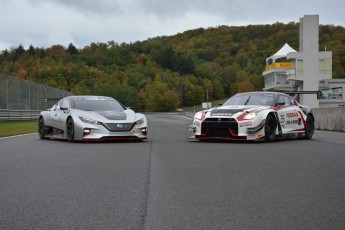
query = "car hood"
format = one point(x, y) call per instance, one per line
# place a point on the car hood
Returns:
point(108, 116)
point(232, 110)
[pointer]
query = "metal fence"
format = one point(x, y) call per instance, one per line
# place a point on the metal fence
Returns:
point(22, 95)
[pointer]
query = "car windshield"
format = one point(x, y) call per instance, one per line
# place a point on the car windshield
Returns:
point(250, 99)
point(98, 105)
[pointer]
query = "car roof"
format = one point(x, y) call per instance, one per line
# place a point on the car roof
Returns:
point(264, 93)
point(85, 97)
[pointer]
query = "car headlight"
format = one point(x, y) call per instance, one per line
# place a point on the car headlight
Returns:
point(89, 121)
point(249, 116)
point(199, 115)
point(140, 121)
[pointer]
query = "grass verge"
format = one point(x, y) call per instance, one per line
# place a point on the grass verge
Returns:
point(11, 128)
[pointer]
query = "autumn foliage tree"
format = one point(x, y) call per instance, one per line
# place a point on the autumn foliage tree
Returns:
point(163, 73)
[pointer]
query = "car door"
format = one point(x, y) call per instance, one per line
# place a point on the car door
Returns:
point(288, 112)
point(49, 119)
point(61, 113)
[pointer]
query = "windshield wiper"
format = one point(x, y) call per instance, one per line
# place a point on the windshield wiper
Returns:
point(247, 101)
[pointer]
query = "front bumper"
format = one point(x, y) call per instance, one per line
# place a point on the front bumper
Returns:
point(110, 131)
point(227, 129)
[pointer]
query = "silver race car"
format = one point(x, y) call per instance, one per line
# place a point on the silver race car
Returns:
point(91, 118)
point(254, 116)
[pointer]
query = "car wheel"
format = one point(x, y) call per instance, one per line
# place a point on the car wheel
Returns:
point(309, 129)
point(270, 128)
point(41, 128)
point(70, 129)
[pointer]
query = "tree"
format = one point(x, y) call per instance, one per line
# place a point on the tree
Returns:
point(244, 86)
point(127, 95)
point(194, 95)
point(72, 50)
point(158, 97)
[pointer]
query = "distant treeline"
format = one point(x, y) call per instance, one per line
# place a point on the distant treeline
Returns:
point(163, 73)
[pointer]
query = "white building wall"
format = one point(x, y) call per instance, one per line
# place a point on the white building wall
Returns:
point(310, 52)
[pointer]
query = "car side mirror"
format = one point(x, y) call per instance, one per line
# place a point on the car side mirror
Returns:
point(280, 103)
point(63, 108)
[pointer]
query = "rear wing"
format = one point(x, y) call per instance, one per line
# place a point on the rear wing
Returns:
point(293, 93)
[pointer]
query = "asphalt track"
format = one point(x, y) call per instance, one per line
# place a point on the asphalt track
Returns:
point(169, 182)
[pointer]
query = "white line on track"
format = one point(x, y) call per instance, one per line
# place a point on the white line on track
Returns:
point(17, 136)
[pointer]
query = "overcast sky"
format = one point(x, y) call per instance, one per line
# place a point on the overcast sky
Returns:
point(43, 23)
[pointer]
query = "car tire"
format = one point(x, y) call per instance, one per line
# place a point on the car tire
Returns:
point(309, 128)
point(70, 129)
point(41, 128)
point(270, 128)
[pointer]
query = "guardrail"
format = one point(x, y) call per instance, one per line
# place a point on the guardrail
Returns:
point(15, 115)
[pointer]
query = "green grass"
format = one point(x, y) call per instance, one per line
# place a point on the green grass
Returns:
point(11, 128)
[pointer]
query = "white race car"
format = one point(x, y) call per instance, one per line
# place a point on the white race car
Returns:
point(254, 116)
point(91, 118)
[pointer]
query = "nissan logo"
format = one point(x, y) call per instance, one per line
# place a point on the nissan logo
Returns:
point(119, 126)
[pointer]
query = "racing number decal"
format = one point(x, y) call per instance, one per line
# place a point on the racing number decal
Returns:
point(282, 118)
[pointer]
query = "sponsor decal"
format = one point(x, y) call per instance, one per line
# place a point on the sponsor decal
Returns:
point(90, 99)
point(245, 123)
point(222, 114)
point(250, 137)
point(292, 122)
point(289, 115)
point(225, 112)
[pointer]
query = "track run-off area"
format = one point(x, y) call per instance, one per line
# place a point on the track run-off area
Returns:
point(171, 182)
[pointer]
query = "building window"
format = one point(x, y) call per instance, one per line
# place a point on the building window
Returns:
point(269, 80)
point(333, 94)
point(299, 66)
point(325, 66)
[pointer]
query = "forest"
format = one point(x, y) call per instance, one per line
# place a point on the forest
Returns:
point(167, 72)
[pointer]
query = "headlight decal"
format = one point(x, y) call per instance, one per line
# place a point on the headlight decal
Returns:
point(89, 121)
point(140, 121)
point(200, 115)
point(249, 116)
